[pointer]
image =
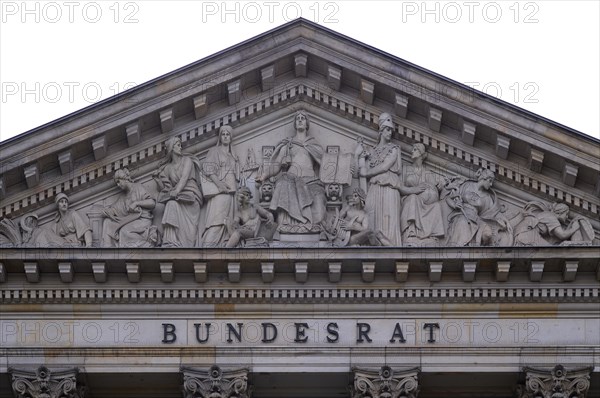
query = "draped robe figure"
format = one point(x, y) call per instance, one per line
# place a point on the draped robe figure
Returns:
point(421, 216)
point(298, 195)
point(476, 219)
point(67, 229)
point(220, 168)
point(383, 168)
point(128, 221)
point(178, 177)
point(545, 225)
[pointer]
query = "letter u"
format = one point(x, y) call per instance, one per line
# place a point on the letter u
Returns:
point(198, 338)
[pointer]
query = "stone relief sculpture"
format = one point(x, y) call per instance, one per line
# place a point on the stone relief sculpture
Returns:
point(334, 192)
point(421, 212)
point(67, 229)
point(476, 218)
point(25, 233)
point(542, 224)
point(298, 195)
point(128, 221)
point(336, 172)
point(220, 171)
point(382, 167)
point(178, 178)
point(266, 192)
point(30, 231)
point(248, 219)
point(351, 226)
point(301, 188)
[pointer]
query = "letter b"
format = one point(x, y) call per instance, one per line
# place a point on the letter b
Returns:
point(169, 335)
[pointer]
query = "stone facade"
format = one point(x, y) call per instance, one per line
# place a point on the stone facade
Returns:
point(319, 219)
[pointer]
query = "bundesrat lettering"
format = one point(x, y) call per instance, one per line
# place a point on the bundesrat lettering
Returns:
point(270, 332)
point(111, 332)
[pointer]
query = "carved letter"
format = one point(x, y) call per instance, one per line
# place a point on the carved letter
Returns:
point(237, 333)
point(198, 338)
point(332, 328)
point(301, 336)
point(169, 335)
point(363, 332)
point(266, 326)
point(398, 333)
point(430, 326)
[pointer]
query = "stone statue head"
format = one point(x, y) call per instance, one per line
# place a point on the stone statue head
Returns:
point(360, 196)
point(225, 135)
point(561, 210)
point(334, 192)
point(170, 144)
point(386, 129)
point(385, 120)
point(122, 177)
point(244, 195)
point(62, 202)
point(486, 177)
point(418, 150)
point(300, 118)
point(266, 191)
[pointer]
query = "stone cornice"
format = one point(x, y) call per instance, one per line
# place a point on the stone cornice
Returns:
point(549, 264)
point(504, 359)
point(298, 253)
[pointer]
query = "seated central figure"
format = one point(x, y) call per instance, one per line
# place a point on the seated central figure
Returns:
point(298, 196)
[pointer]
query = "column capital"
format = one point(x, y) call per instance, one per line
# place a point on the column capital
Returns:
point(386, 382)
point(557, 382)
point(46, 384)
point(215, 382)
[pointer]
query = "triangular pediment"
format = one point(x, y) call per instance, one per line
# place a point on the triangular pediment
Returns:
point(257, 87)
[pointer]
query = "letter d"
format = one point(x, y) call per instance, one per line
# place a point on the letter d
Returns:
point(266, 326)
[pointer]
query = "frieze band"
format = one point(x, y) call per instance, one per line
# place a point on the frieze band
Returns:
point(304, 193)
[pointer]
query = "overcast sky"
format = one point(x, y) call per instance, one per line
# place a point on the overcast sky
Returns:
point(60, 56)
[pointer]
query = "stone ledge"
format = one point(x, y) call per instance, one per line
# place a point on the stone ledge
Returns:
point(299, 252)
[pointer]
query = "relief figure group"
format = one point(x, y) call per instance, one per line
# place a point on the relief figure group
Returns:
point(372, 199)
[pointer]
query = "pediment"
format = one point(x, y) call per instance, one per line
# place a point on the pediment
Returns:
point(257, 87)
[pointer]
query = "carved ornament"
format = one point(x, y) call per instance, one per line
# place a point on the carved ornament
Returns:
point(556, 383)
point(215, 383)
point(385, 383)
point(46, 384)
